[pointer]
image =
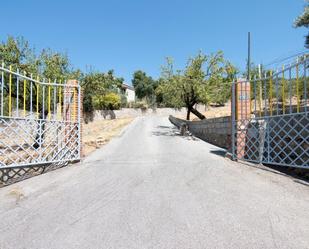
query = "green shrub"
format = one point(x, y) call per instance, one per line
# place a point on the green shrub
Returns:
point(140, 104)
point(110, 101)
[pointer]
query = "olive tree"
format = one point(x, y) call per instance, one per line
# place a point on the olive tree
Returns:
point(203, 81)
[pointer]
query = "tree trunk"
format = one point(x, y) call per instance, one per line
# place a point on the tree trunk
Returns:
point(188, 113)
point(197, 113)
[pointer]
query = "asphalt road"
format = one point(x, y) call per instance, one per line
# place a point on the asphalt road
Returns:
point(150, 188)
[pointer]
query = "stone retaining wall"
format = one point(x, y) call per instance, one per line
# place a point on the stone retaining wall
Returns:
point(216, 131)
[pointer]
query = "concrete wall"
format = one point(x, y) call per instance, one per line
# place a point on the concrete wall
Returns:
point(216, 131)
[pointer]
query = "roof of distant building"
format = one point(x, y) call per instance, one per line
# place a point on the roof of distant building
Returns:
point(126, 86)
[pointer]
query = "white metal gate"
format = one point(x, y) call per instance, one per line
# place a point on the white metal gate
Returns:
point(270, 116)
point(39, 120)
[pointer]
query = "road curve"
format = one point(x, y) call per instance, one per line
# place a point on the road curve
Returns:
point(150, 188)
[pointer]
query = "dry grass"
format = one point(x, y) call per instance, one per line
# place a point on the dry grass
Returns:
point(98, 133)
point(212, 112)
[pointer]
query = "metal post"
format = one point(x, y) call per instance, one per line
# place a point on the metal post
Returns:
point(40, 139)
point(31, 85)
point(49, 99)
point(305, 84)
point(60, 100)
point(290, 89)
point(268, 139)
point(79, 120)
point(55, 102)
point(2, 85)
point(297, 88)
point(255, 113)
point(265, 95)
point(37, 98)
point(277, 94)
point(17, 93)
point(10, 91)
point(271, 92)
point(43, 102)
point(283, 91)
point(25, 86)
point(233, 121)
point(260, 91)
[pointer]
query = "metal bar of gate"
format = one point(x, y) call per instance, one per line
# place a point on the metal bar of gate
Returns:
point(290, 88)
point(31, 85)
point(40, 133)
point(271, 93)
point(37, 98)
point(10, 91)
point(55, 102)
point(277, 93)
point(79, 120)
point(233, 121)
point(282, 127)
point(28, 78)
point(305, 85)
point(17, 94)
point(265, 98)
point(297, 88)
point(255, 112)
point(2, 88)
point(24, 92)
point(43, 102)
point(283, 91)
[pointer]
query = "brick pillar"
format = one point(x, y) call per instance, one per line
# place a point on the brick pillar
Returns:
point(242, 115)
point(71, 109)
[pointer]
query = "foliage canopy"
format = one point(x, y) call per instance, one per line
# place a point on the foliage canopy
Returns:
point(206, 79)
point(303, 21)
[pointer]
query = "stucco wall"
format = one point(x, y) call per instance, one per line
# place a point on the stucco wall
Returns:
point(130, 95)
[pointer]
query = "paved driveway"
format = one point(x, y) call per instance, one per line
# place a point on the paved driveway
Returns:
point(150, 188)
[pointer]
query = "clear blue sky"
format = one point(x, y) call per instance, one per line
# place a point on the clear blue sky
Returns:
point(139, 34)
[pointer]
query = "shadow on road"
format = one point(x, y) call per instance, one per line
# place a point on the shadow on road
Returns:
point(298, 175)
point(301, 175)
point(218, 152)
point(168, 131)
point(13, 175)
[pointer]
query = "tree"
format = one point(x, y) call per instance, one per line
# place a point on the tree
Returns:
point(196, 83)
point(219, 86)
point(144, 85)
point(54, 65)
point(100, 90)
point(17, 53)
point(303, 21)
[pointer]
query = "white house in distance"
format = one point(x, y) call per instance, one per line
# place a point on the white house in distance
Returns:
point(129, 92)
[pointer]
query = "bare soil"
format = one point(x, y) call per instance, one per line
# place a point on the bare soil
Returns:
point(98, 133)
